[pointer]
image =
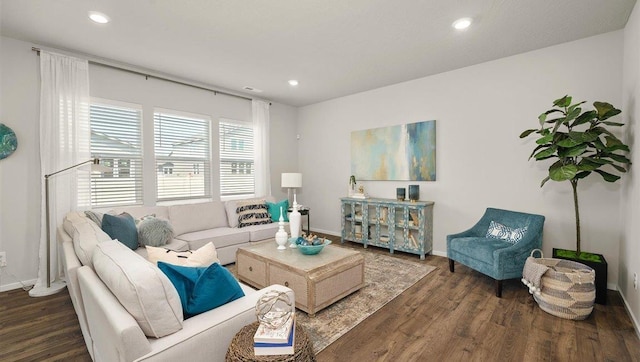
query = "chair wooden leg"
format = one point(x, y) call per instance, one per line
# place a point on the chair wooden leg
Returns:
point(499, 288)
point(451, 268)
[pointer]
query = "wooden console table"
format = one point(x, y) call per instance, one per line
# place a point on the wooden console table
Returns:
point(388, 223)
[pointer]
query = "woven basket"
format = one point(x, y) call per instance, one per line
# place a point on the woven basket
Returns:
point(567, 288)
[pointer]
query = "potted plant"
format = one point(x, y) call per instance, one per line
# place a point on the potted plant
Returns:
point(581, 145)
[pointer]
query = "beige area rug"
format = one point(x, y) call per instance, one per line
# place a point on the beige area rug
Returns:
point(385, 277)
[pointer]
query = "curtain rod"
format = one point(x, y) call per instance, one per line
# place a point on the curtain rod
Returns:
point(147, 76)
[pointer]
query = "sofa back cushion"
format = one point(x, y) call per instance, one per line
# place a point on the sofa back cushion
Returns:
point(195, 217)
point(138, 212)
point(142, 289)
point(85, 234)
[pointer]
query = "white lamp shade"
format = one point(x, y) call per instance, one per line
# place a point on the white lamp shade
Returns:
point(291, 180)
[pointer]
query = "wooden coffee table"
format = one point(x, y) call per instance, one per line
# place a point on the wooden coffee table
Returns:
point(317, 280)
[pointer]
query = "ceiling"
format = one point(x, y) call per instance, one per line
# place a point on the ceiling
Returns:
point(332, 47)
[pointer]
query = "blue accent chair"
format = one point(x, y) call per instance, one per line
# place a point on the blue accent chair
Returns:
point(496, 258)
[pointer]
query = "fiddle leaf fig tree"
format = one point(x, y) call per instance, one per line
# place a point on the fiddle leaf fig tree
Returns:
point(580, 143)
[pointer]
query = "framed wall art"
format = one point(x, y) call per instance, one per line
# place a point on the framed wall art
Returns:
point(401, 153)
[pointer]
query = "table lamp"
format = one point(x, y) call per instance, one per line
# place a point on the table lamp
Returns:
point(291, 181)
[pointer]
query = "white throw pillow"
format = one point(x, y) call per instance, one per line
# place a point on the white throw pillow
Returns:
point(142, 289)
point(204, 256)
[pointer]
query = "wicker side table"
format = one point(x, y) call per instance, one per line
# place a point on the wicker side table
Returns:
point(241, 347)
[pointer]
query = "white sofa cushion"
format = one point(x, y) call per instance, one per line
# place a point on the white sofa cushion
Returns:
point(264, 231)
point(220, 237)
point(142, 289)
point(195, 217)
point(85, 234)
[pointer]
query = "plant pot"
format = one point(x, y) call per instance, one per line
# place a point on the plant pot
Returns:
point(599, 267)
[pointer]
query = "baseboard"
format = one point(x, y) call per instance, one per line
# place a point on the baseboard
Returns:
point(12, 286)
point(634, 320)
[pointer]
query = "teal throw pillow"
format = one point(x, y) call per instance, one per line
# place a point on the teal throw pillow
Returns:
point(121, 227)
point(202, 288)
point(274, 210)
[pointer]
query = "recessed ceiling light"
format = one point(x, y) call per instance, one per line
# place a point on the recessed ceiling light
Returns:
point(462, 23)
point(99, 18)
point(293, 82)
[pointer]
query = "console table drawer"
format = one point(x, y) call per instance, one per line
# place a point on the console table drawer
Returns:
point(296, 282)
point(252, 270)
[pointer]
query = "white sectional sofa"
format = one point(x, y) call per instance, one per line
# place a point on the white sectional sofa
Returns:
point(110, 331)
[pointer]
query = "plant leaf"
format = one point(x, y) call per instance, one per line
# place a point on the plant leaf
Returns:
point(617, 158)
point(602, 108)
point(562, 102)
point(573, 113)
point(527, 132)
point(597, 160)
point(600, 130)
point(583, 137)
point(607, 176)
point(582, 174)
point(568, 142)
point(542, 118)
point(573, 151)
point(619, 168)
point(563, 173)
point(545, 139)
point(536, 149)
point(544, 181)
point(609, 123)
point(546, 153)
point(584, 118)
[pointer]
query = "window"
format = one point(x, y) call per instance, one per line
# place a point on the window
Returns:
point(236, 158)
point(183, 156)
point(116, 140)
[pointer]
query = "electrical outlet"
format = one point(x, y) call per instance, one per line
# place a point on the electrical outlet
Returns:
point(3, 259)
point(635, 280)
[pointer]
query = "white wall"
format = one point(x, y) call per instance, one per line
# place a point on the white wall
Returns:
point(19, 174)
point(480, 112)
point(629, 245)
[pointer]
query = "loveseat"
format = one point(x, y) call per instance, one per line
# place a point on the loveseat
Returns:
point(112, 329)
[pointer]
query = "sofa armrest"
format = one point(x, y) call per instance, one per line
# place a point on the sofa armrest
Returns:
point(207, 336)
point(510, 261)
point(115, 333)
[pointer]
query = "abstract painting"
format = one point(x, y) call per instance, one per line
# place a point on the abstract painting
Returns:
point(404, 153)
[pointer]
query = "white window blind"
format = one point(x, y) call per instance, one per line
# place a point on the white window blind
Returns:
point(116, 141)
point(183, 157)
point(236, 158)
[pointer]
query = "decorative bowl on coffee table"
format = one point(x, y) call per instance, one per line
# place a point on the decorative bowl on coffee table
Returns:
point(313, 249)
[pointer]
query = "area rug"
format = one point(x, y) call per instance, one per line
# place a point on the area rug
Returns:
point(385, 277)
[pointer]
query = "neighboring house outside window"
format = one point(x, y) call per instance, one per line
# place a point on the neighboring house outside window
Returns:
point(236, 158)
point(116, 140)
point(182, 154)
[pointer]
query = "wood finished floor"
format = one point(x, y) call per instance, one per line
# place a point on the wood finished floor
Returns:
point(443, 317)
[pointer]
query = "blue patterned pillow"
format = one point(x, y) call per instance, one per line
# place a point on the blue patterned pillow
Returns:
point(501, 232)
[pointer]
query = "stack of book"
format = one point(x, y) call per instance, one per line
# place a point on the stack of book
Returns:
point(273, 341)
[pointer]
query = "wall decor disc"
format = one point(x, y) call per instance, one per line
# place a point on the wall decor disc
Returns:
point(8, 141)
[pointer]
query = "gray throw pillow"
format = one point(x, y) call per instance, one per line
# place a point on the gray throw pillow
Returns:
point(95, 216)
point(154, 232)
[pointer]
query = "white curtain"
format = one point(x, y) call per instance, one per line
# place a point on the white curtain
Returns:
point(64, 142)
point(261, 147)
